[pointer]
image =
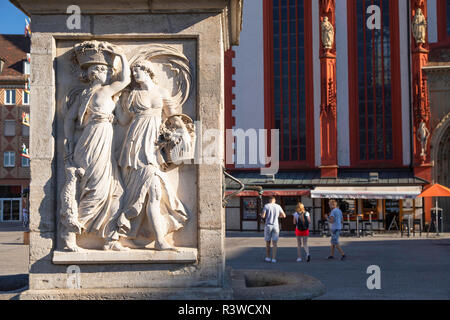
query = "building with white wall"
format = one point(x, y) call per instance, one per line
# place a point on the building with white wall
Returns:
point(347, 103)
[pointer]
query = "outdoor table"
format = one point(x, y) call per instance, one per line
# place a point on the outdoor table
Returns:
point(354, 219)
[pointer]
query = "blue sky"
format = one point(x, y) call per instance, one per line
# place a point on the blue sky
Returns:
point(12, 20)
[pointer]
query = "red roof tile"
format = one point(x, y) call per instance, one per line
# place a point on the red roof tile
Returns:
point(13, 49)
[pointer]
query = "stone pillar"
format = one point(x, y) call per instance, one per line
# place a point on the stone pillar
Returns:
point(199, 30)
point(328, 117)
point(421, 105)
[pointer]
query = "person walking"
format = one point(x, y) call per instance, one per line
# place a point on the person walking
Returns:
point(302, 221)
point(271, 212)
point(335, 219)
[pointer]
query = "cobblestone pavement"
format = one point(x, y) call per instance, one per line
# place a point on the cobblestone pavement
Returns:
point(13, 253)
point(411, 268)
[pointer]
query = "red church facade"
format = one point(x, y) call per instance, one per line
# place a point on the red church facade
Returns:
point(343, 84)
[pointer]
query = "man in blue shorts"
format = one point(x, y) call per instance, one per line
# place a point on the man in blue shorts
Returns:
point(335, 219)
point(271, 213)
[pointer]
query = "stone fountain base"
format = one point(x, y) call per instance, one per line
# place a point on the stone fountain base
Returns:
point(274, 285)
point(240, 285)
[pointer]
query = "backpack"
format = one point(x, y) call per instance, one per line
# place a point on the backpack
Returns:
point(302, 225)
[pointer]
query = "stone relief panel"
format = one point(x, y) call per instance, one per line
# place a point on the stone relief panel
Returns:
point(126, 112)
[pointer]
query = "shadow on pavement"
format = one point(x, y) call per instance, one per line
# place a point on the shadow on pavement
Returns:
point(13, 282)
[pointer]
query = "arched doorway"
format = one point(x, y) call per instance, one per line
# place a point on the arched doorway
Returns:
point(441, 157)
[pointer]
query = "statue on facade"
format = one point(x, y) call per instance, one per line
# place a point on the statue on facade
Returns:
point(419, 27)
point(327, 31)
point(422, 135)
point(88, 128)
point(151, 206)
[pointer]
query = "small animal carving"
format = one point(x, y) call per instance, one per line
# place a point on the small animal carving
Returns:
point(69, 209)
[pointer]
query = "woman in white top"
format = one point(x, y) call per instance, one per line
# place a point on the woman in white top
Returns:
point(302, 221)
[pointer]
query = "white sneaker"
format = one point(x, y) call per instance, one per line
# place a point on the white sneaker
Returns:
point(299, 259)
point(268, 259)
point(274, 261)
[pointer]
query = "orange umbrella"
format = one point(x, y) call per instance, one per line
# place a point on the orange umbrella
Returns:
point(436, 190)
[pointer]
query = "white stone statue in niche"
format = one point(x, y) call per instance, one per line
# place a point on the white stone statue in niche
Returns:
point(422, 135)
point(419, 27)
point(151, 207)
point(88, 128)
point(327, 34)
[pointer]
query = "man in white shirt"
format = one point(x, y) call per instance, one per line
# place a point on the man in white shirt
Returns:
point(271, 213)
point(335, 219)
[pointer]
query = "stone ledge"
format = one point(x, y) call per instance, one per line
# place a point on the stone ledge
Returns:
point(129, 294)
point(182, 255)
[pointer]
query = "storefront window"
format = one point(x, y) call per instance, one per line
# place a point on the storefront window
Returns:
point(370, 205)
point(392, 211)
point(250, 209)
point(348, 206)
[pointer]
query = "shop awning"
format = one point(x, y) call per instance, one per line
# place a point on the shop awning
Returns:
point(361, 192)
point(284, 193)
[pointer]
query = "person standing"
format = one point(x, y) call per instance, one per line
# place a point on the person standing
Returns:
point(271, 212)
point(302, 221)
point(26, 219)
point(335, 219)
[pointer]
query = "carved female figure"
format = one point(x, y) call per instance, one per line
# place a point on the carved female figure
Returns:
point(91, 112)
point(150, 204)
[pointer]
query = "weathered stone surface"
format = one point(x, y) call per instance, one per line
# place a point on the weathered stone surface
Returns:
point(59, 23)
point(42, 200)
point(182, 255)
point(42, 43)
point(123, 276)
point(130, 294)
point(41, 245)
point(42, 140)
point(110, 24)
point(42, 196)
point(42, 70)
point(211, 243)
